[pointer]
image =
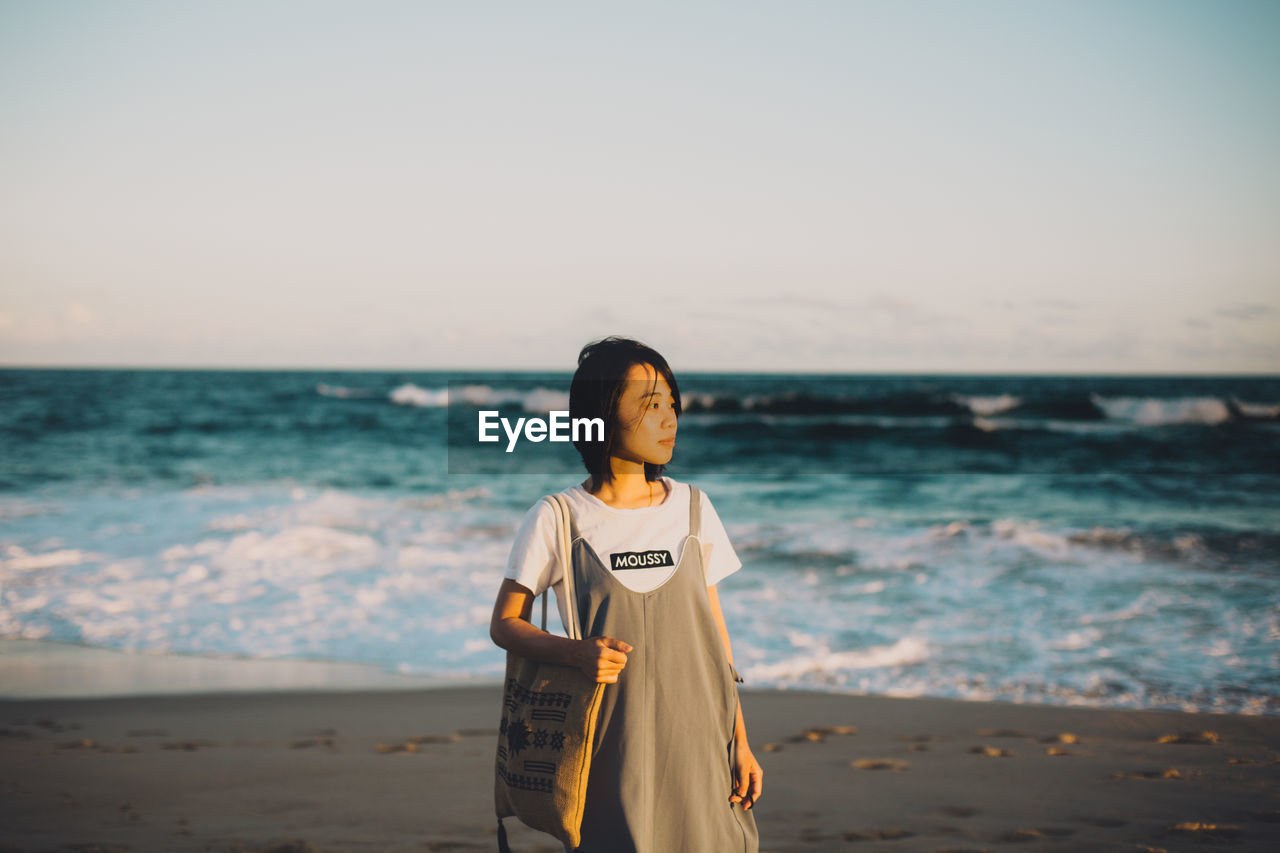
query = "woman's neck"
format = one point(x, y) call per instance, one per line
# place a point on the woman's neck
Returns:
point(629, 491)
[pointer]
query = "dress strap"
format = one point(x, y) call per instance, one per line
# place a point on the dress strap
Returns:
point(695, 511)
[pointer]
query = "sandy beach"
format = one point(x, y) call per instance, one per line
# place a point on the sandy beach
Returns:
point(411, 770)
point(920, 359)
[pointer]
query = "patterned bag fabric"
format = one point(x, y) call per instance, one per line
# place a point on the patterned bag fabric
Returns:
point(548, 724)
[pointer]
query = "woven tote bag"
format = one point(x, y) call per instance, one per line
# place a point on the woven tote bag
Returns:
point(548, 724)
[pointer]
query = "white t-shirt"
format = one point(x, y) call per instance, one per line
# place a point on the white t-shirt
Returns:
point(642, 546)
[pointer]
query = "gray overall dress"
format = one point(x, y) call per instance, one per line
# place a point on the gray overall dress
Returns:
point(661, 775)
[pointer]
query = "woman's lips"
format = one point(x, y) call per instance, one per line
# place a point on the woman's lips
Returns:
point(668, 441)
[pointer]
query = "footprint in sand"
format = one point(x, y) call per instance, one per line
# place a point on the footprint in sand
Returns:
point(1063, 737)
point(412, 742)
point(817, 734)
point(1001, 733)
point(396, 747)
point(1171, 773)
point(1208, 738)
point(992, 751)
point(312, 741)
point(84, 743)
point(1205, 831)
point(453, 738)
point(1018, 835)
point(879, 764)
point(1040, 833)
point(809, 735)
point(918, 743)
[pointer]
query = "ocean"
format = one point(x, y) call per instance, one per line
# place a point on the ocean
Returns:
point(1104, 541)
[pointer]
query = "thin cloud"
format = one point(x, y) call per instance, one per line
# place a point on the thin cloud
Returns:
point(1245, 311)
point(1052, 304)
point(884, 304)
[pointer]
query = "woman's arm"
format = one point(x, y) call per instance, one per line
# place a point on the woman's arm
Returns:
point(601, 658)
point(748, 774)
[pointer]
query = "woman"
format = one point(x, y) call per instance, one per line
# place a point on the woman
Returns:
point(670, 748)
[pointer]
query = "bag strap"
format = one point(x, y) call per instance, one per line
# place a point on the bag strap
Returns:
point(695, 512)
point(547, 591)
point(573, 629)
point(564, 522)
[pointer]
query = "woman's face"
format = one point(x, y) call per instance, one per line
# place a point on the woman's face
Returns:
point(646, 429)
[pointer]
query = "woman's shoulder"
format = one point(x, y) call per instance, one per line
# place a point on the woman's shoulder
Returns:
point(706, 507)
point(539, 512)
point(682, 495)
point(684, 490)
point(572, 492)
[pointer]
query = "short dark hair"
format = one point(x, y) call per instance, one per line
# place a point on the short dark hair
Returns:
point(594, 393)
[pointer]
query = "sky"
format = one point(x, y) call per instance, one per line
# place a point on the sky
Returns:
point(885, 187)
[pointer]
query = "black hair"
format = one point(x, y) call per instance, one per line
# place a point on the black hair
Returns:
point(594, 393)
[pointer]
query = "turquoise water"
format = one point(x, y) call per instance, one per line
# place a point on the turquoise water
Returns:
point(1067, 540)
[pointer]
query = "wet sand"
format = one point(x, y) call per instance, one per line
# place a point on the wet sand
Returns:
point(412, 770)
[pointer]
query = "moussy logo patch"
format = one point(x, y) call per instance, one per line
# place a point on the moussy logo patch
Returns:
point(641, 559)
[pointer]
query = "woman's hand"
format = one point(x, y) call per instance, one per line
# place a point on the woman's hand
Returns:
point(748, 776)
point(601, 658)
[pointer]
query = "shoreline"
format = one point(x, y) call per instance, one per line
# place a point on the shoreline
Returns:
point(47, 669)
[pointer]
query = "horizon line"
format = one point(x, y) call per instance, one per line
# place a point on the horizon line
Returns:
point(569, 372)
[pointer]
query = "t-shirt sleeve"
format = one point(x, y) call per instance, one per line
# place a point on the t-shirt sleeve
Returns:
point(533, 562)
point(724, 560)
